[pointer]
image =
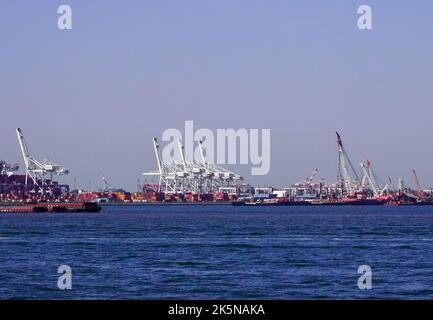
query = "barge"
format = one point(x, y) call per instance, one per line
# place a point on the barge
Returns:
point(51, 207)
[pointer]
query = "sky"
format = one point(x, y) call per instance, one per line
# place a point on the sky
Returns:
point(92, 98)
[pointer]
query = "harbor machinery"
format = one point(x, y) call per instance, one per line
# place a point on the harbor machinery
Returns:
point(181, 176)
point(8, 169)
point(347, 177)
point(38, 171)
point(419, 193)
point(369, 181)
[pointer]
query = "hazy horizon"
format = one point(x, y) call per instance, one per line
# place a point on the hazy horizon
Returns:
point(92, 98)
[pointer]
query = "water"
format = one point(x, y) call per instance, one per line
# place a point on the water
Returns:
point(219, 252)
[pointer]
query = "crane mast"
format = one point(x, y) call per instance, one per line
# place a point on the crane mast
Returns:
point(418, 186)
point(203, 158)
point(182, 154)
point(347, 176)
point(24, 149)
point(311, 177)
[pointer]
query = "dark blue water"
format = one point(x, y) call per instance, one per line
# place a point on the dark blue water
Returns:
point(219, 252)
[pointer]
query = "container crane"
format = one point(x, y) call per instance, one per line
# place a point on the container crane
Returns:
point(167, 178)
point(182, 176)
point(107, 186)
point(37, 170)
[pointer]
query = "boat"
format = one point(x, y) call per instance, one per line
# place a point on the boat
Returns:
point(52, 207)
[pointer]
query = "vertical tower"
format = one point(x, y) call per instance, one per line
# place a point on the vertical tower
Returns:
point(347, 177)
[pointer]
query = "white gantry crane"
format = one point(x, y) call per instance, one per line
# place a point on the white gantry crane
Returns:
point(181, 176)
point(167, 178)
point(38, 170)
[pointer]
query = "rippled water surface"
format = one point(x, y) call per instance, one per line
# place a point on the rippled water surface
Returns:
point(219, 252)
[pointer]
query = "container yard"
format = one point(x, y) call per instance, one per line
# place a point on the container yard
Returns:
point(197, 183)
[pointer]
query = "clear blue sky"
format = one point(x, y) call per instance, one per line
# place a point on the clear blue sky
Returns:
point(93, 97)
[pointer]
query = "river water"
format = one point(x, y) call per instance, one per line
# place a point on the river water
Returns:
point(219, 252)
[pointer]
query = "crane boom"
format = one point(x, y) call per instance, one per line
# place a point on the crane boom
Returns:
point(346, 172)
point(418, 187)
point(182, 154)
point(203, 158)
point(311, 177)
point(158, 155)
point(24, 149)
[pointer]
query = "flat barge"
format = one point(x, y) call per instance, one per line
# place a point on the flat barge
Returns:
point(51, 207)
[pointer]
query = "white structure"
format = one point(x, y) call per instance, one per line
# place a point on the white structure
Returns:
point(38, 170)
point(181, 176)
point(369, 181)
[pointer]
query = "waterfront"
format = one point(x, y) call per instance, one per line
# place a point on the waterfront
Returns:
point(219, 252)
